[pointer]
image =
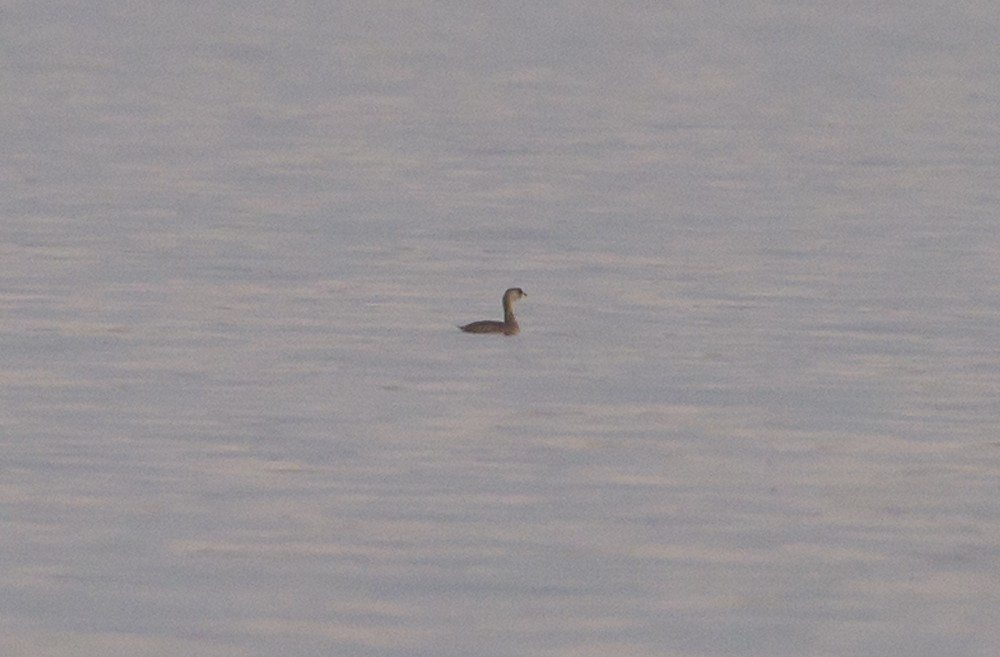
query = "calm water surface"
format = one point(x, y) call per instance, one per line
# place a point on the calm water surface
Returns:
point(753, 409)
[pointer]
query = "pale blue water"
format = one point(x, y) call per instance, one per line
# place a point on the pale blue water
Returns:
point(753, 409)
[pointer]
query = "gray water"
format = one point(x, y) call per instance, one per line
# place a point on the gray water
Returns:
point(753, 409)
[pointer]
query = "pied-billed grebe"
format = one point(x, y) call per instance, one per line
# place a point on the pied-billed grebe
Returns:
point(508, 326)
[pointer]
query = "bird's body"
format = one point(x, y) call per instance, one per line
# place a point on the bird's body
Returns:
point(509, 324)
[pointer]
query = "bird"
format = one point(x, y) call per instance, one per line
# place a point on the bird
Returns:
point(509, 324)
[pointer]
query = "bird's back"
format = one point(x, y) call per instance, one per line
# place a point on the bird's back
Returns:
point(491, 326)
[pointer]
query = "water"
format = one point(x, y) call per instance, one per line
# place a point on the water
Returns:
point(752, 410)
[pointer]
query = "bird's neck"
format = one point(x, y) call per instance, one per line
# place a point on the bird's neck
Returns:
point(508, 311)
